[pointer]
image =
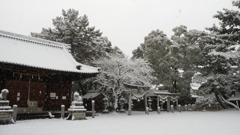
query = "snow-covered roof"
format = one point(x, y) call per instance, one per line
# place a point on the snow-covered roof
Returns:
point(195, 86)
point(39, 53)
point(164, 92)
point(136, 86)
point(91, 95)
point(196, 96)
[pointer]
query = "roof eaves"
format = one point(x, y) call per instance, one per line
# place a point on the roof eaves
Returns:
point(70, 71)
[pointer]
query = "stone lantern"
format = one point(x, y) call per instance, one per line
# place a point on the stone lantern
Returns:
point(150, 104)
point(105, 102)
point(122, 101)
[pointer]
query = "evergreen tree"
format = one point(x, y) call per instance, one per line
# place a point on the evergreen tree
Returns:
point(221, 57)
point(186, 52)
point(86, 43)
point(154, 49)
point(228, 31)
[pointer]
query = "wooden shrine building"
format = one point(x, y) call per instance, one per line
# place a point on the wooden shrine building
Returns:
point(38, 73)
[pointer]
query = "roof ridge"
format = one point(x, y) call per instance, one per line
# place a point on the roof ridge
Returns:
point(32, 39)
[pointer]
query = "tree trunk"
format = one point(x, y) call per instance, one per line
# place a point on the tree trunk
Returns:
point(230, 103)
point(221, 102)
point(115, 103)
point(175, 86)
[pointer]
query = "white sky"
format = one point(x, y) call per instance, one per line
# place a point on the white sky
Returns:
point(124, 22)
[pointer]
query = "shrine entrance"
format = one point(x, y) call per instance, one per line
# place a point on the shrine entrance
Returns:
point(139, 92)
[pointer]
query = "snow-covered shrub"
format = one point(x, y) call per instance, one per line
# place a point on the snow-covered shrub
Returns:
point(200, 101)
point(208, 101)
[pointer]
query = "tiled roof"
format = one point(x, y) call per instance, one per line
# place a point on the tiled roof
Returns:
point(39, 53)
point(91, 95)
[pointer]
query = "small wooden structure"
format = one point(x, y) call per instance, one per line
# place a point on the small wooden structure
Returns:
point(135, 91)
point(97, 97)
point(38, 73)
point(140, 92)
point(166, 96)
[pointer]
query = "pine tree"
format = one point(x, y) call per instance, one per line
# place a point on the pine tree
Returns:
point(70, 28)
point(154, 49)
point(220, 55)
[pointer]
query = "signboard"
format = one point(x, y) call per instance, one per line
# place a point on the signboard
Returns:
point(52, 95)
point(64, 97)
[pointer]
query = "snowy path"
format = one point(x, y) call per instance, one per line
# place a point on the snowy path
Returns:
point(225, 122)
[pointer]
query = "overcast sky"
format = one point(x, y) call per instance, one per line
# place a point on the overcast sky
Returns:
point(124, 22)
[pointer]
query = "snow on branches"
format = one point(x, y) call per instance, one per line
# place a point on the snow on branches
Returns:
point(117, 70)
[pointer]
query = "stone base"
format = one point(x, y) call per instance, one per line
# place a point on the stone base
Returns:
point(77, 116)
point(6, 117)
point(6, 113)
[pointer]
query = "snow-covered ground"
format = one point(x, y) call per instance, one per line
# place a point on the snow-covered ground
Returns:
point(224, 122)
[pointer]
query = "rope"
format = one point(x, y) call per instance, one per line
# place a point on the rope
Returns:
point(172, 98)
point(139, 96)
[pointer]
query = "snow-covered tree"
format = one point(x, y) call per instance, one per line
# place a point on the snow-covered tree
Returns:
point(184, 58)
point(169, 58)
point(228, 31)
point(117, 70)
point(154, 49)
point(221, 56)
point(86, 42)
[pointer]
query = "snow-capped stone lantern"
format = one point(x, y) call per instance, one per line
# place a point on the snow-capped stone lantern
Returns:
point(150, 104)
point(77, 110)
point(105, 101)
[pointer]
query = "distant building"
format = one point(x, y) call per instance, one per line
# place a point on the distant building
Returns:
point(38, 73)
point(97, 97)
point(197, 81)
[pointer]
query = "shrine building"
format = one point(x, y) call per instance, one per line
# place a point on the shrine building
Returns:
point(38, 73)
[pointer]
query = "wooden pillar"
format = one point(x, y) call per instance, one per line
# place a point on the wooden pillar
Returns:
point(177, 102)
point(147, 110)
point(15, 113)
point(172, 108)
point(145, 101)
point(29, 89)
point(93, 108)
point(62, 111)
point(168, 103)
point(179, 108)
point(158, 108)
point(130, 103)
point(237, 104)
